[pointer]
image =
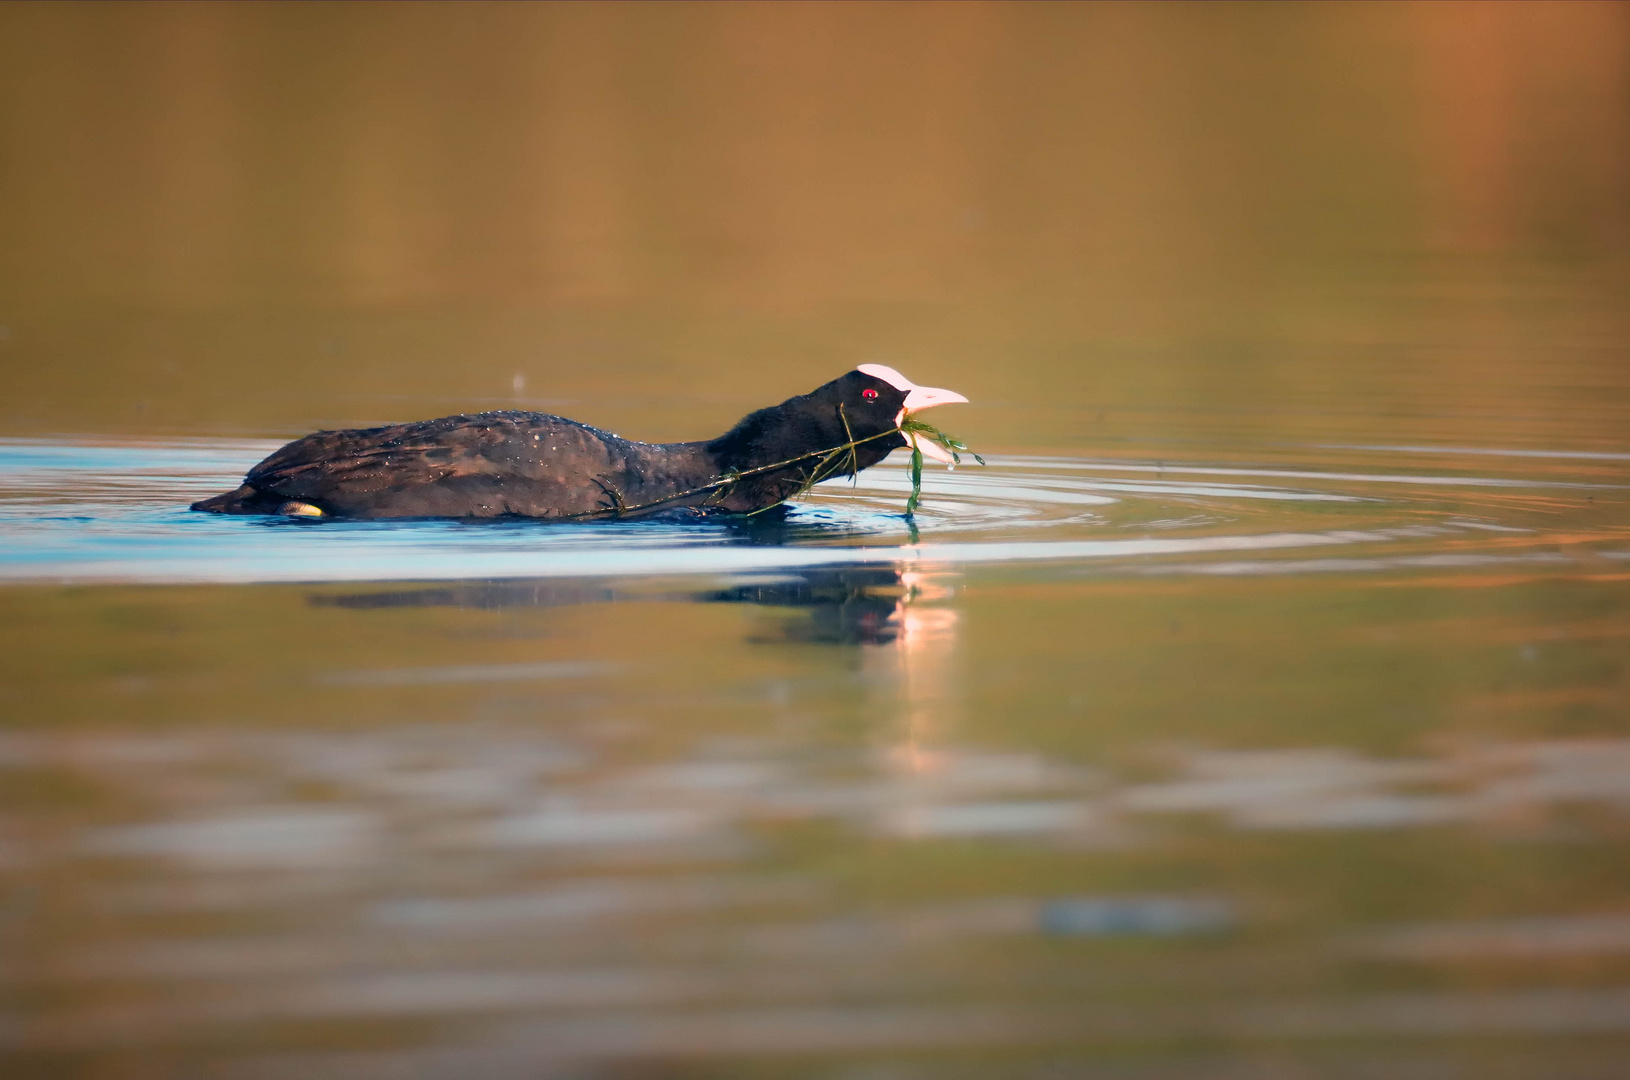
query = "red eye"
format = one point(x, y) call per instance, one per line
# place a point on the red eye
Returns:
point(869, 395)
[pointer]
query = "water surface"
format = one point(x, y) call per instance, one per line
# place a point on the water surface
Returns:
point(1097, 759)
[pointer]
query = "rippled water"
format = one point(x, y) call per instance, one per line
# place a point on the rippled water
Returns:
point(1163, 761)
point(118, 513)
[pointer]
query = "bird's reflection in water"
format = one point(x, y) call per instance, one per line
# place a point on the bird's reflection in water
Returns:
point(851, 605)
point(848, 606)
point(484, 595)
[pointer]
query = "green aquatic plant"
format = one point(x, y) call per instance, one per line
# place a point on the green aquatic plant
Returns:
point(916, 430)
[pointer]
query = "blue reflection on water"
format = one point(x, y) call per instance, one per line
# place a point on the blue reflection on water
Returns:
point(79, 511)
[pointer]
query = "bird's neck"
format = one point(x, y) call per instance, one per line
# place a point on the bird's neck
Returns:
point(774, 451)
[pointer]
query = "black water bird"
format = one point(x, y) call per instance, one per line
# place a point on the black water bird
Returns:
point(533, 465)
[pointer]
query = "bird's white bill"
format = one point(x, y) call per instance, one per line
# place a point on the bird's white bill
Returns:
point(926, 397)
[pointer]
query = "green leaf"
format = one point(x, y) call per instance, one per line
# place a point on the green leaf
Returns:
point(917, 430)
point(916, 479)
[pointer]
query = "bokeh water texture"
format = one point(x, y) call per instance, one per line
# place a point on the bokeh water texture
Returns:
point(1262, 709)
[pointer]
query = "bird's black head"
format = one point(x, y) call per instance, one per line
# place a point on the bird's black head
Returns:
point(864, 407)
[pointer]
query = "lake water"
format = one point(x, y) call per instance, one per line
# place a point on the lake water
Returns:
point(1179, 764)
point(1260, 711)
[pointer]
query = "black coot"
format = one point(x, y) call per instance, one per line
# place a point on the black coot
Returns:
point(527, 464)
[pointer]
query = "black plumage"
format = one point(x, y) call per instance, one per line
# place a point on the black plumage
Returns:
point(534, 465)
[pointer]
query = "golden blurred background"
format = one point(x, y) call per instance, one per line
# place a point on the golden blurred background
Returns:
point(260, 217)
